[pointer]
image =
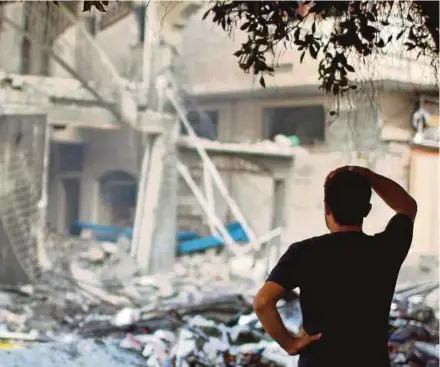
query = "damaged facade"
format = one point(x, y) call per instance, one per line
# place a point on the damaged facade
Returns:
point(373, 126)
point(95, 163)
point(97, 110)
point(104, 155)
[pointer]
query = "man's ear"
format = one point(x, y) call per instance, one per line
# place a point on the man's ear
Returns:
point(326, 208)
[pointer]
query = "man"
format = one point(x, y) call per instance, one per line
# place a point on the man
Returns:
point(346, 278)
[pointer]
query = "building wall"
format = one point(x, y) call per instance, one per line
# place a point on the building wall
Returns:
point(202, 41)
point(201, 58)
point(252, 190)
point(127, 56)
point(10, 40)
point(424, 186)
point(104, 151)
point(242, 119)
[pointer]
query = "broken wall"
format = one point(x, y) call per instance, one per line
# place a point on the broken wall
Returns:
point(104, 151)
point(250, 185)
point(242, 120)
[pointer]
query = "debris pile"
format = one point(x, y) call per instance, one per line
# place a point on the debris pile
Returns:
point(93, 281)
point(94, 299)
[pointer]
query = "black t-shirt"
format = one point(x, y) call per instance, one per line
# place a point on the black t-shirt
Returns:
point(346, 281)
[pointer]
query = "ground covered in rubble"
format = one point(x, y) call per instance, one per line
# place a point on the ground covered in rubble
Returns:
point(94, 307)
point(85, 353)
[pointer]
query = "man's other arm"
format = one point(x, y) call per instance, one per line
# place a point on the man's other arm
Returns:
point(265, 307)
point(284, 277)
point(394, 195)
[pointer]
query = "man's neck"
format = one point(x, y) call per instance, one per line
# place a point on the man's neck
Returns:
point(341, 228)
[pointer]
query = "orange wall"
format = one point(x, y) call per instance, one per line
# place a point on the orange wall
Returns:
point(424, 186)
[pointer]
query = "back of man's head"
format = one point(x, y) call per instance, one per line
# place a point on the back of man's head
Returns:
point(347, 195)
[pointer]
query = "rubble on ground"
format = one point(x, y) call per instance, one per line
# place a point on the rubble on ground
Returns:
point(200, 312)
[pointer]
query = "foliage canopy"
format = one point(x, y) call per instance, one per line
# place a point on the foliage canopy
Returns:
point(359, 28)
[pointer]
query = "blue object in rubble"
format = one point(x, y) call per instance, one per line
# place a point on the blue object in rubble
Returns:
point(188, 242)
point(186, 236)
point(235, 230)
point(112, 233)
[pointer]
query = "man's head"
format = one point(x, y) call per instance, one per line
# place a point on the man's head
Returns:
point(347, 198)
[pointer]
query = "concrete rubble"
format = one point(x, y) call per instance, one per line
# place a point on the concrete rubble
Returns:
point(95, 299)
point(94, 291)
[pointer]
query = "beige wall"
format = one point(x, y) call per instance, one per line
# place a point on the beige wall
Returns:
point(242, 119)
point(210, 67)
point(209, 64)
point(424, 186)
point(10, 40)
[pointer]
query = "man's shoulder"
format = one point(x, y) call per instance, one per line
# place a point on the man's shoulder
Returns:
point(311, 242)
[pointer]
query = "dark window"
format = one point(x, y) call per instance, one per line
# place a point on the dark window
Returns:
point(70, 157)
point(204, 123)
point(305, 122)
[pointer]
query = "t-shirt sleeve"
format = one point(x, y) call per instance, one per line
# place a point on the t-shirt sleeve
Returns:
point(399, 235)
point(286, 272)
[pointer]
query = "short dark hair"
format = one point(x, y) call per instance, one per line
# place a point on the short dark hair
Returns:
point(347, 195)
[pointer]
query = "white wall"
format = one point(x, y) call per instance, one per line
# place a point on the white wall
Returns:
point(10, 40)
point(119, 43)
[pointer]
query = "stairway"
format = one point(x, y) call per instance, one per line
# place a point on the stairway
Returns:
point(68, 42)
point(19, 217)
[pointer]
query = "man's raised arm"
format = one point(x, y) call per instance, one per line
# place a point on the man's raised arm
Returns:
point(394, 195)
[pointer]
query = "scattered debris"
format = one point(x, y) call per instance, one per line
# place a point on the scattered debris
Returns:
point(201, 314)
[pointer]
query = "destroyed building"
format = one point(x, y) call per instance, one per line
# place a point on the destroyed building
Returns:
point(98, 97)
point(374, 126)
point(101, 141)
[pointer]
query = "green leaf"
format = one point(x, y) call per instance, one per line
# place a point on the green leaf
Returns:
point(206, 14)
point(349, 68)
point(314, 27)
point(371, 17)
point(380, 43)
point(244, 26)
point(100, 5)
point(400, 34)
point(313, 52)
point(262, 82)
point(302, 57)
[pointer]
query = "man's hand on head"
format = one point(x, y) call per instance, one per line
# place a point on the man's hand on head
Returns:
point(357, 169)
